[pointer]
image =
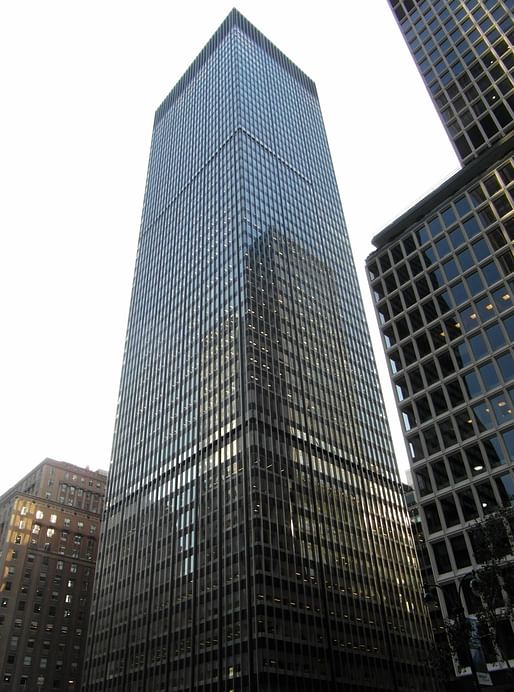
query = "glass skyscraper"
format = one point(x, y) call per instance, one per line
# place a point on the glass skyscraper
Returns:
point(255, 534)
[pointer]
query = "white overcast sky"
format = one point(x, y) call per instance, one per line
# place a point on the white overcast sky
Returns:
point(79, 85)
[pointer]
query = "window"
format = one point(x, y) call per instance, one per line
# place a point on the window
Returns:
point(506, 365)
point(486, 497)
point(505, 485)
point(441, 556)
point(460, 551)
point(432, 517)
point(478, 346)
point(451, 516)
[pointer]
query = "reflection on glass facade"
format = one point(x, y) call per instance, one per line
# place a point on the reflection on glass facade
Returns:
point(463, 50)
point(255, 535)
point(444, 292)
point(443, 284)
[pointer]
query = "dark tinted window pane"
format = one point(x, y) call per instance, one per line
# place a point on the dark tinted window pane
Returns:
point(475, 283)
point(450, 269)
point(431, 373)
point(443, 248)
point(481, 249)
point(478, 346)
point(465, 424)
point(502, 408)
point(431, 440)
point(495, 336)
point(475, 460)
point(441, 557)
point(438, 401)
point(494, 452)
point(450, 513)
point(506, 365)
point(437, 279)
point(486, 497)
point(415, 448)
point(491, 273)
point(440, 474)
point(496, 238)
point(509, 326)
point(455, 392)
point(483, 416)
point(485, 309)
point(424, 346)
point(423, 481)
point(456, 237)
point(447, 432)
point(462, 205)
point(432, 517)
point(459, 293)
point(416, 380)
point(385, 262)
point(508, 438)
point(460, 551)
point(505, 485)
point(429, 256)
point(471, 227)
point(467, 504)
point(448, 216)
point(422, 235)
point(489, 376)
point(465, 259)
point(469, 318)
point(446, 363)
point(472, 384)
point(423, 287)
point(408, 244)
point(435, 226)
point(461, 354)
point(502, 299)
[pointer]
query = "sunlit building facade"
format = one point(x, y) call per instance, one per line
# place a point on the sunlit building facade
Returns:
point(442, 278)
point(255, 534)
point(49, 529)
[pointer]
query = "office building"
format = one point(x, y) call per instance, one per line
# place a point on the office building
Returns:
point(255, 534)
point(49, 528)
point(442, 278)
point(463, 50)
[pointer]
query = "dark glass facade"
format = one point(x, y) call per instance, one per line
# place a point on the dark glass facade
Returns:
point(442, 278)
point(444, 295)
point(463, 50)
point(255, 534)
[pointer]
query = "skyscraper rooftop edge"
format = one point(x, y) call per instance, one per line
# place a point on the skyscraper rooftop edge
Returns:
point(234, 19)
point(447, 188)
